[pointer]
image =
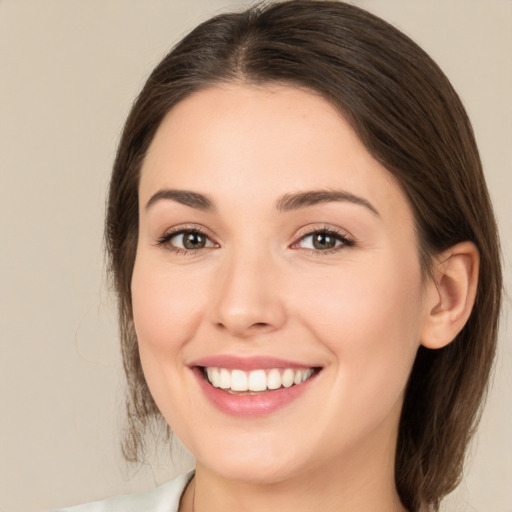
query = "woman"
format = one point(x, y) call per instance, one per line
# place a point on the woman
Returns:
point(307, 266)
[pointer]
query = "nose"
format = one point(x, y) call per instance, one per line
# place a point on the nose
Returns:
point(248, 298)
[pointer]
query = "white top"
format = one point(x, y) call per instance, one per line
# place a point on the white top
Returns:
point(165, 498)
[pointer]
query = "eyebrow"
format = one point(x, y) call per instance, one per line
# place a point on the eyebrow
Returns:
point(186, 197)
point(286, 203)
point(313, 197)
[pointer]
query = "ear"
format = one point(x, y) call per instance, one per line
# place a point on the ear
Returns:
point(451, 294)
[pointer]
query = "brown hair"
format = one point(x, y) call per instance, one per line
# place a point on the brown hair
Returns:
point(411, 120)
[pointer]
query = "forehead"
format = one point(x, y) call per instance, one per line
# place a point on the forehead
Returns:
point(247, 142)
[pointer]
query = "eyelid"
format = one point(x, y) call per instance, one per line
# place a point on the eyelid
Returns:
point(346, 239)
point(164, 240)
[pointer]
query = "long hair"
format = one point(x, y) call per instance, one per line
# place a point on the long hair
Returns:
point(410, 119)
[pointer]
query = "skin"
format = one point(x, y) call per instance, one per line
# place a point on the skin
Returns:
point(260, 288)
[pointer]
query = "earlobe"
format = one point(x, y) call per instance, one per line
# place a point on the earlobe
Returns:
point(451, 294)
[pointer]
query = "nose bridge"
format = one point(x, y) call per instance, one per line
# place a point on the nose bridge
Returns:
point(248, 296)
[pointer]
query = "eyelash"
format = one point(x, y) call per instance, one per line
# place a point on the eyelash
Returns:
point(342, 237)
point(164, 241)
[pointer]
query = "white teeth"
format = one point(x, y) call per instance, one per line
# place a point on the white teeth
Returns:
point(256, 380)
point(238, 380)
point(274, 379)
point(213, 376)
point(225, 379)
point(306, 374)
point(287, 378)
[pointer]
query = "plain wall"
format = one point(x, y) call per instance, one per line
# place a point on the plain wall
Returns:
point(69, 71)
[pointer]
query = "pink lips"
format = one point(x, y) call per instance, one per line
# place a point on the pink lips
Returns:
point(245, 405)
point(246, 363)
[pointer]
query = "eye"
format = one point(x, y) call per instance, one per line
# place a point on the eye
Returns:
point(324, 240)
point(185, 240)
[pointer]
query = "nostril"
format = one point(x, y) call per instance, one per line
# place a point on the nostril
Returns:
point(244, 330)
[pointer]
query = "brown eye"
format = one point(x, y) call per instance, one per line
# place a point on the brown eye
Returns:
point(193, 240)
point(189, 240)
point(324, 240)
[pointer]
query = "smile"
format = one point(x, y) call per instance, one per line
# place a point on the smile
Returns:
point(249, 387)
point(240, 381)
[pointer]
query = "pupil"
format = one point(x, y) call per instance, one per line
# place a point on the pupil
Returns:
point(324, 241)
point(193, 241)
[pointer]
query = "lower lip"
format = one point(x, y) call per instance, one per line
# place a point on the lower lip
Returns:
point(261, 404)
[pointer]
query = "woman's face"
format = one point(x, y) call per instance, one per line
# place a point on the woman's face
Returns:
point(272, 249)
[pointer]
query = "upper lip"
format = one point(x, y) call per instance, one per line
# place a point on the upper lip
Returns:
point(232, 362)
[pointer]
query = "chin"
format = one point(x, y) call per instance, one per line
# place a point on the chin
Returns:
point(263, 465)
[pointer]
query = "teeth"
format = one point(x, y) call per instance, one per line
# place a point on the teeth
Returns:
point(274, 379)
point(225, 379)
point(288, 377)
point(257, 380)
point(238, 380)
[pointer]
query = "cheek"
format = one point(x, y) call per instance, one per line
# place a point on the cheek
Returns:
point(166, 315)
point(165, 307)
point(369, 305)
point(166, 312)
point(370, 319)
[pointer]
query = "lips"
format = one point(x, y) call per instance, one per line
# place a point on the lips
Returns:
point(254, 386)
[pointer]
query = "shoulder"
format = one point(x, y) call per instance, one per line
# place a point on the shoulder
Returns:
point(165, 498)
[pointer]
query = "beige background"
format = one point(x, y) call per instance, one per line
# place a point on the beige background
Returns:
point(69, 70)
